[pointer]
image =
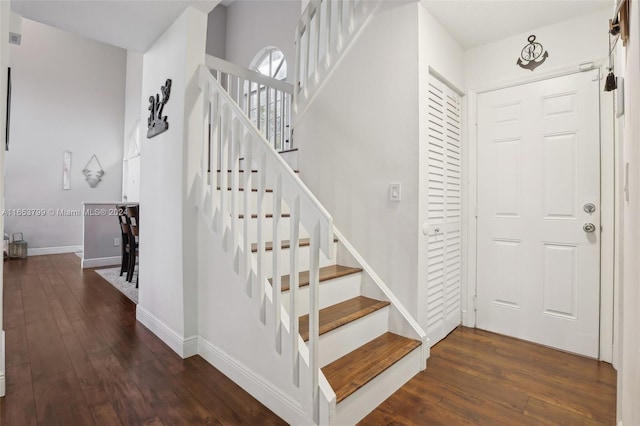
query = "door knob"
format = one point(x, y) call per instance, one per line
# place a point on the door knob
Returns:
point(589, 227)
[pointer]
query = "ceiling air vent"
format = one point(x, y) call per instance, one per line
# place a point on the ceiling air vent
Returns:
point(15, 38)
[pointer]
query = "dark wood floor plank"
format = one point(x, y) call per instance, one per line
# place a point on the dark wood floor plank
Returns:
point(477, 377)
point(47, 353)
point(89, 382)
point(17, 352)
point(104, 414)
point(79, 335)
point(126, 399)
point(18, 406)
point(70, 331)
point(59, 401)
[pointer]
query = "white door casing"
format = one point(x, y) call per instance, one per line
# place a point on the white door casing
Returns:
point(443, 226)
point(538, 271)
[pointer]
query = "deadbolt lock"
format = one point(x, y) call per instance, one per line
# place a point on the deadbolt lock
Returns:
point(589, 207)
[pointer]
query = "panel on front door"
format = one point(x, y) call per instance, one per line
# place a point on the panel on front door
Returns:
point(538, 165)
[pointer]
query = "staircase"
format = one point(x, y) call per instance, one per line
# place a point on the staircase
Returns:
point(348, 341)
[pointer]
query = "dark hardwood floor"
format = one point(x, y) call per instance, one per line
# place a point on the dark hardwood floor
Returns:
point(76, 356)
point(481, 378)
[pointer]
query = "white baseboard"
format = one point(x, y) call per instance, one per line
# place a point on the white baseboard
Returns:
point(101, 261)
point(253, 383)
point(183, 347)
point(41, 251)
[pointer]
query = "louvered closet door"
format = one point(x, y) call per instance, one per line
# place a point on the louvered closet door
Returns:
point(444, 211)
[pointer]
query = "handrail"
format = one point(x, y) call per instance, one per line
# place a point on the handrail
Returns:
point(325, 30)
point(227, 67)
point(228, 133)
point(265, 100)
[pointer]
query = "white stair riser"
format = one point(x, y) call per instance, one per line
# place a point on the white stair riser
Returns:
point(339, 342)
point(253, 203)
point(284, 229)
point(303, 261)
point(360, 403)
point(254, 179)
point(331, 292)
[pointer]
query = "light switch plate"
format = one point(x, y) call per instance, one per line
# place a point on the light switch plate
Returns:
point(395, 192)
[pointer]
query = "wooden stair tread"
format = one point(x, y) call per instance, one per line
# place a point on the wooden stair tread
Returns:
point(354, 370)
point(326, 273)
point(242, 189)
point(304, 242)
point(340, 314)
point(252, 171)
point(267, 216)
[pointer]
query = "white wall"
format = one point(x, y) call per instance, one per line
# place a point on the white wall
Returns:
point(254, 25)
point(167, 296)
point(5, 10)
point(569, 43)
point(629, 365)
point(361, 134)
point(100, 229)
point(364, 132)
point(133, 125)
point(67, 94)
point(217, 31)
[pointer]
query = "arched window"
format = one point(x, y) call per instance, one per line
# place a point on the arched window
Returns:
point(273, 104)
point(271, 62)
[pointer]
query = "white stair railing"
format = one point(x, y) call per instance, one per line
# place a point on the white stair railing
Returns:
point(227, 133)
point(265, 100)
point(324, 31)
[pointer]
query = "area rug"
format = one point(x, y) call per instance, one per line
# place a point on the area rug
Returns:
point(112, 275)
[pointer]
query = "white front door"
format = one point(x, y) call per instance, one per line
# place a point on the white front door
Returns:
point(538, 274)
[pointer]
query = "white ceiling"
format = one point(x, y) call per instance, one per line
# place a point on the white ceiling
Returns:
point(133, 25)
point(476, 22)
point(137, 24)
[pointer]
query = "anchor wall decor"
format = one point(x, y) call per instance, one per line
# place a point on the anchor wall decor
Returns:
point(532, 55)
point(157, 123)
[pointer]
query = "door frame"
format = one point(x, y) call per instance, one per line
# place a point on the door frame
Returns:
point(608, 167)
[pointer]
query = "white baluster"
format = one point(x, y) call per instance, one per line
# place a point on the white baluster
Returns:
point(307, 55)
point(258, 107)
point(224, 166)
point(352, 17)
point(267, 114)
point(248, 183)
point(262, 182)
point(276, 280)
point(340, 27)
point(318, 30)
point(235, 182)
point(329, 29)
point(215, 156)
point(314, 315)
point(294, 280)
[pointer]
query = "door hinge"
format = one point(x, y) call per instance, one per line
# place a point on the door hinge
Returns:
point(476, 211)
point(475, 302)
